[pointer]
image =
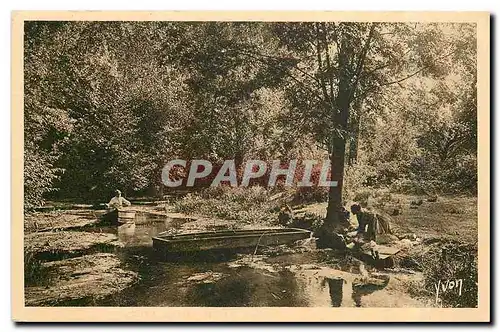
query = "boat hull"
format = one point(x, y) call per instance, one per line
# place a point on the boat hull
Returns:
point(120, 217)
point(227, 240)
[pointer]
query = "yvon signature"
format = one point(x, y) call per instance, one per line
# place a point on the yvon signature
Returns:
point(448, 286)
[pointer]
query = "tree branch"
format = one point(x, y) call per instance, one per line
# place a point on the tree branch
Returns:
point(361, 61)
point(405, 77)
point(375, 69)
point(304, 86)
point(254, 54)
point(418, 71)
point(328, 64)
point(320, 62)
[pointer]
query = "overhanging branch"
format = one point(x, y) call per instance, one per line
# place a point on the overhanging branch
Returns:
point(361, 61)
point(373, 88)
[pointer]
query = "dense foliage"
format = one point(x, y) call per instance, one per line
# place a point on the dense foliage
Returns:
point(107, 104)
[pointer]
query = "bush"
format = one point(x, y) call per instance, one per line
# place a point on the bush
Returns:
point(310, 194)
point(248, 205)
point(356, 178)
point(413, 187)
point(458, 176)
point(452, 261)
point(34, 272)
point(39, 175)
point(461, 175)
point(362, 197)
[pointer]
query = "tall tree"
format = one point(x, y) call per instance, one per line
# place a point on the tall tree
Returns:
point(341, 64)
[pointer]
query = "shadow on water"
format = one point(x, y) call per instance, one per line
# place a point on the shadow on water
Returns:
point(335, 286)
point(363, 289)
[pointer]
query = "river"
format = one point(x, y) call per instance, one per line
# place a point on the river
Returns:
point(301, 278)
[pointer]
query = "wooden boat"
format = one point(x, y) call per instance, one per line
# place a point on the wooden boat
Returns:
point(120, 216)
point(228, 239)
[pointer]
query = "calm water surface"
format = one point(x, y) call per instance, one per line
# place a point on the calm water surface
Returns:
point(231, 280)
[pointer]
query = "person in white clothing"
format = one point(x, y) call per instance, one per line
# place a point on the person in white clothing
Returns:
point(118, 201)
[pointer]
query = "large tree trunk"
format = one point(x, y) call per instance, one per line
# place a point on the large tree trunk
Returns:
point(334, 216)
point(354, 133)
point(335, 222)
point(353, 146)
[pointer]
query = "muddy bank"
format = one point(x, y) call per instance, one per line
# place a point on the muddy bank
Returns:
point(60, 220)
point(50, 245)
point(73, 259)
point(81, 280)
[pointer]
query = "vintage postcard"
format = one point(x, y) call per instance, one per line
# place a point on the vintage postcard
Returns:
point(250, 166)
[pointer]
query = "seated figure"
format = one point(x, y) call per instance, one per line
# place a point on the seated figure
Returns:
point(117, 202)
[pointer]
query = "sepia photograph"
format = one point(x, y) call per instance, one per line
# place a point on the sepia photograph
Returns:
point(321, 161)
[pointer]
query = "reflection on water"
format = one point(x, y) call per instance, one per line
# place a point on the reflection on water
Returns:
point(140, 235)
point(360, 289)
point(335, 288)
point(285, 281)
